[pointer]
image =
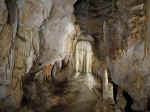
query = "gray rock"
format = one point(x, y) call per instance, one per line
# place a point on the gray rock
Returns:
point(33, 12)
point(56, 33)
point(3, 12)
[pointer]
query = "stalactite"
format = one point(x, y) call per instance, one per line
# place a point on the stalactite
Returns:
point(16, 68)
point(105, 79)
point(83, 62)
point(74, 43)
point(47, 71)
point(113, 7)
point(83, 57)
point(28, 43)
point(13, 21)
point(29, 49)
point(29, 61)
point(147, 33)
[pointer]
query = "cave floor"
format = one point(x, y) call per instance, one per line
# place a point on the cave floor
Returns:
point(68, 95)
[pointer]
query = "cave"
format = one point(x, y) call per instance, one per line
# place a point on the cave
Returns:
point(74, 55)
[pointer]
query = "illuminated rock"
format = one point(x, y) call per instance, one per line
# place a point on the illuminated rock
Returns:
point(107, 89)
point(83, 57)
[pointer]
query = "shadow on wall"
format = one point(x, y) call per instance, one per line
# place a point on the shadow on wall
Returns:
point(129, 102)
point(127, 97)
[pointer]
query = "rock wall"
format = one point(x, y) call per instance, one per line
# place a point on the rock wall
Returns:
point(120, 41)
point(57, 33)
point(31, 30)
point(41, 35)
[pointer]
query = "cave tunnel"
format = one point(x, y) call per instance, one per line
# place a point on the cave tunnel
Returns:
point(47, 65)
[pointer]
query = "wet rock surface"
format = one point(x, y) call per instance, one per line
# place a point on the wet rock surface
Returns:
point(38, 38)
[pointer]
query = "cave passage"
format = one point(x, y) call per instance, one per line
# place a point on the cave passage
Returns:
point(74, 55)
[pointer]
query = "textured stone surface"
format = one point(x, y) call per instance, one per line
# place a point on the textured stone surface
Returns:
point(5, 35)
point(35, 17)
point(130, 69)
point(44, 32)
point(5, 39)
point(33, 12)
point(122, 41)
point(3, 12)
point(57, 32)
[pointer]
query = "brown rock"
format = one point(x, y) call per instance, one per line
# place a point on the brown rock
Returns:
point(34, 12)
point(5, 39)
point(3, 12)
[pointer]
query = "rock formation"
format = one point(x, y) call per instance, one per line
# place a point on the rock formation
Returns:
point(74, 55)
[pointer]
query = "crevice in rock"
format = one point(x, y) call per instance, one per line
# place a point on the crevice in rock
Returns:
point(115, 91)
point(148, 104)
point(129, 102)
point(12, 14)
point(24, 101)
point(120, 93)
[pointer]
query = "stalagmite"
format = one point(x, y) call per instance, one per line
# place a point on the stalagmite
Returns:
point(107, 89)
point(105, 80)
point(90, 81)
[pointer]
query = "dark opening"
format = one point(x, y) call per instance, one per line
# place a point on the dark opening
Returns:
point(24, 101)
point(115, 91)
point(148, 104)
point(12, 11)
point(129, 102)
point(127, 97)
point(93, 10)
